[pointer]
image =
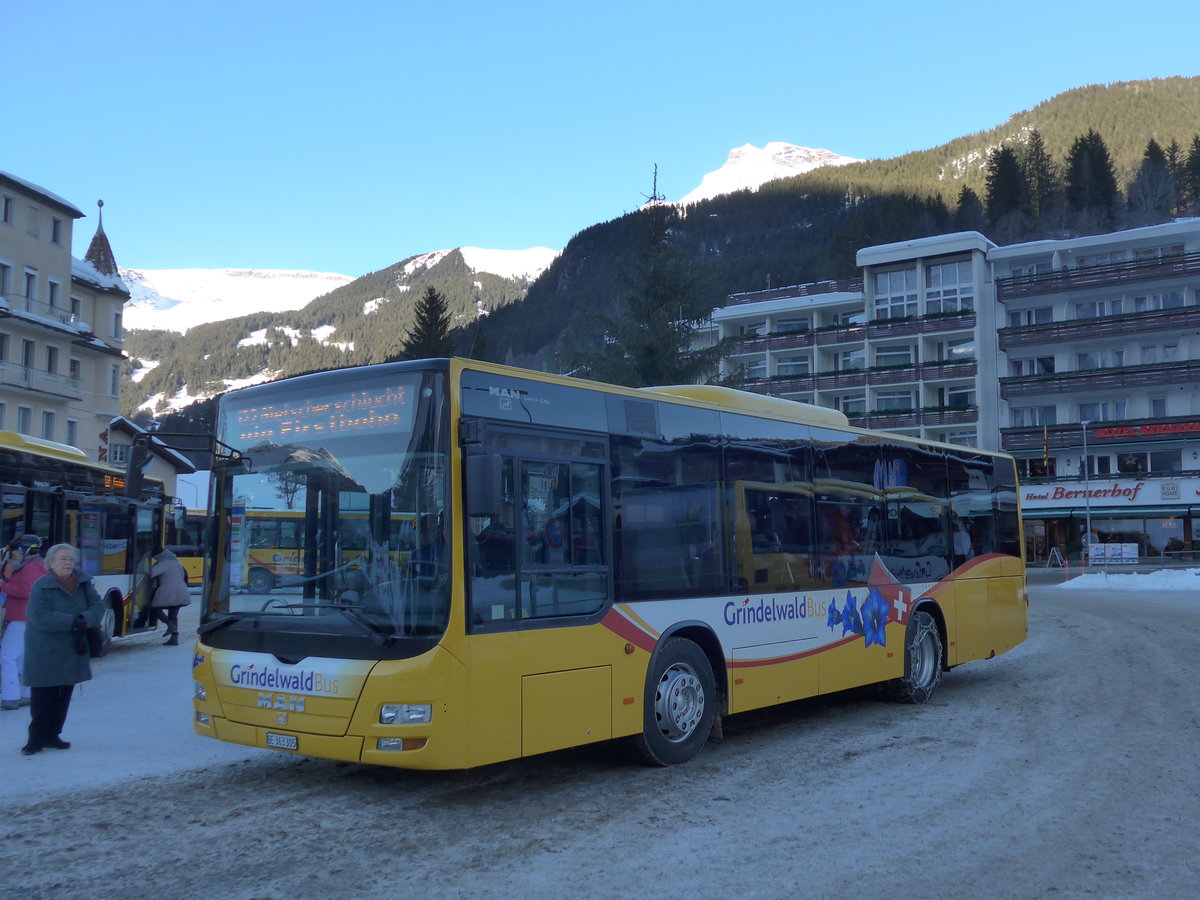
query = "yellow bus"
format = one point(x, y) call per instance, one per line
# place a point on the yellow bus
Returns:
point(591, 563)
point(187, 538)
point(54, 491)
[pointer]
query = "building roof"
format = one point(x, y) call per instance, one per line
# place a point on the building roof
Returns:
point(935, 245)
point(173, 457)
point(99, 252)
point(42, 194)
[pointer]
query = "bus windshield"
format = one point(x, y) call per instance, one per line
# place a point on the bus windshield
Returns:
point(330, 517)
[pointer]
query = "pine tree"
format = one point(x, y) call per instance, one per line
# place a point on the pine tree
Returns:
point(1007, 193)
point(1091, 183)
point(430, 334)
point(1041, 178)
point(649, 338)
point(1152, 190)
point(969, 216)
point(1190, 188)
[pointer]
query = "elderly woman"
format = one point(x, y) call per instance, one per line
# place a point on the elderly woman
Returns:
point(171, 593)
point(62, 605)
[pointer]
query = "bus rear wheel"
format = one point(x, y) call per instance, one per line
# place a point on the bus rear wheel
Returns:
point(679, 707)
point(922, 661)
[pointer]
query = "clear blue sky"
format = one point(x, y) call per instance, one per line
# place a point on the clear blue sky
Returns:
point(343, 137)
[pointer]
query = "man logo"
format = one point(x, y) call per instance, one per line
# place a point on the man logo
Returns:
point(281, 719)
point(286, 702)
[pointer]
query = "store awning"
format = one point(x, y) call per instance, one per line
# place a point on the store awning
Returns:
point(1109, 512)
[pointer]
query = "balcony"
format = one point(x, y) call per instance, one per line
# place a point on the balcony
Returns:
point(1121, 378)
point(14, 376)
point(1185, 317)
point(944, 370)
point(1061, 280)
point(32, 310)
point(789, 340)
point(1100, 434)
point(841, 334)
point(844, 286)
point(930, 416)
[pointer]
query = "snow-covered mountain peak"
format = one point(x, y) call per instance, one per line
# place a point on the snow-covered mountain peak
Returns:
point(748, 167)
point(180, 299)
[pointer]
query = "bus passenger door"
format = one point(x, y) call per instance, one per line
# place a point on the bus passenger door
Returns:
point(540, 560)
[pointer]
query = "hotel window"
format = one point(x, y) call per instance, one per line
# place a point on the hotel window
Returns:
point(1097, 309)
point(74, 368)
point(52, 295)
point(894, 401)
point(895, 294)
point(3, 346)
point(117, 454)
point(56, 230)
point(1099, 359)
point(852, 404)
point(116, 326)
point(852, 360)
point(114, 380)
point(1106, 411)
point(24, 419)
point(1019, 318)
point(962, 438)
point(958, 396)
point(76, 308)
point(753, 329)
point(755, 369)
point(6, 210)
point(949, 288)
point(30, 289)
point(3, 409)
point(1100, 259)
point(1156, 353)
point(1037, 365)
point(1031, 416)
point(72, 432)
point(894, 355)
point(47, 425)
point(52, 360)
point(1154, 302)
point(846, 319)
point(1166, 460)
point(1029, 269)
point(793, 366)
point(783, 326)
point(961, 350)
point(5, 279)
point(1158, 407)
point(1132, 463)
point(27, 353)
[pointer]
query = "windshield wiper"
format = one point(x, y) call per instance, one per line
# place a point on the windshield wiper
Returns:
point(351, 612)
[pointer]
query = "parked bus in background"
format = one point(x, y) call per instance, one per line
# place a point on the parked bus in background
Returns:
point(188, 540)
point(591, 562)
point(54, 491)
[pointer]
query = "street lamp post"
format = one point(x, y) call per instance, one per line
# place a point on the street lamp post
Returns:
point(1087, 495)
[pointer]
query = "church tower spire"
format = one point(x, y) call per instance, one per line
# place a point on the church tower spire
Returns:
point(99, 253)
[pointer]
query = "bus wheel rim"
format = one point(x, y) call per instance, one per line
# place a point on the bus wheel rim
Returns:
point(678, 703)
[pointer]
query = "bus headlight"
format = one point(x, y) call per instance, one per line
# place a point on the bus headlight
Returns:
point(198, 691)
point(405, 713)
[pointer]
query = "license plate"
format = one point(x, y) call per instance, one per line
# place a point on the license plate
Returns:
point(283, 741)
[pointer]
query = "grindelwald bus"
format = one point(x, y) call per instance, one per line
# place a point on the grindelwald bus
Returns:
point(54, 491)
point(583, 563)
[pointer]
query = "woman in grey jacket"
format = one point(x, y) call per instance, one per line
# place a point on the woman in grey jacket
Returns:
point(171, 593)
point(62, 606)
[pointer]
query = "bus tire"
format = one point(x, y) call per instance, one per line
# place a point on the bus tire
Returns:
point(108, 621)
point(260, 581)
point(680, 703)
point(922, 661)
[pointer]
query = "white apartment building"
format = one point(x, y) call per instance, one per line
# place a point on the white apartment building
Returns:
point(954, 338)
point(61, 330)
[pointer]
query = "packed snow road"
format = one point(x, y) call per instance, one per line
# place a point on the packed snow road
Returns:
point(1066, 767)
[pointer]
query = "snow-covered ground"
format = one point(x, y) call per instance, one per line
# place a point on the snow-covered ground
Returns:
point(1063, 768)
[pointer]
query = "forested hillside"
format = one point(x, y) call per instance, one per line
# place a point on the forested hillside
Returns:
point(1089, 160)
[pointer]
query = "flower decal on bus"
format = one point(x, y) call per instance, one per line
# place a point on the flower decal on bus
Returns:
point(871, 622)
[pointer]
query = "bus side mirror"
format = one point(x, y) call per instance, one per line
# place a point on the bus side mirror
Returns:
point(483, 485)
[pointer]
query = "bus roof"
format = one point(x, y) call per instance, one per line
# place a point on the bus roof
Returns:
point(14, 441)
point(745, 401)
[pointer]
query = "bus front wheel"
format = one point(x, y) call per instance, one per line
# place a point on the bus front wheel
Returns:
point(922, 661)
point(260, 581)
point(680, 704)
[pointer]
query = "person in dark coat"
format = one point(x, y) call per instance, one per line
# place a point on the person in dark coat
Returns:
point(62, 606)
point(170, 595)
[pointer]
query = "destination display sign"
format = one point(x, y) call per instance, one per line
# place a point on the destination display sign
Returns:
point(306, 419)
